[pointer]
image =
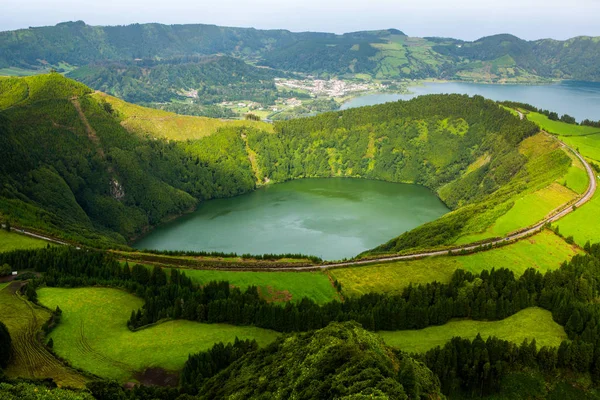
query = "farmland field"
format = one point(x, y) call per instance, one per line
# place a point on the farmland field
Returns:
point(93, 334)
point(31, 359)
point(559, 127)
point(274, 286)
point(14, 241)
point(543, 251)
point(583, 223)
point(585, 139)
point(576, 180)
point(530, 323)
point(527, 210)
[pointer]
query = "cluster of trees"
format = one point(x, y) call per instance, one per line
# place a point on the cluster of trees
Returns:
point(587, 122)
point(268, 257)
point(5, 270)
point(206, 364)
point(477, 367)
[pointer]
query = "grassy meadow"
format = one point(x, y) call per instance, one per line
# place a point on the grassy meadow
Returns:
point(586, 139)
point(576, 180)
point(543, 251)
point(530, 323)
point(10, 241)
point(583, 224)
point(93, 334)
point(559, 127)
point(31, 359)
point(274, 286)
point(169, 125)
point(526, 211)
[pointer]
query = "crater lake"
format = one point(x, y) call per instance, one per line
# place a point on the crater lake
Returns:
point(332, 218)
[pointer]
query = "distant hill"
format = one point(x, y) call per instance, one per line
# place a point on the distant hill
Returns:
point(382, 54)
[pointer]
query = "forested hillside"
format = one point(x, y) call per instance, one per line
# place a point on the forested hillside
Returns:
point(214, 78)
point(96, 169)
point(381, 54)
point(70, 168)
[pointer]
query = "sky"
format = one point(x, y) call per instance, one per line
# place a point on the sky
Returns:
point(462, 19)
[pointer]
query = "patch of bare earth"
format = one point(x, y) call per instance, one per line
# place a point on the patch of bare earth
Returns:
point(157, 377)
point(275, 296)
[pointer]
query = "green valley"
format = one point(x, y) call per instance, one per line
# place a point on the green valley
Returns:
point(496, 296)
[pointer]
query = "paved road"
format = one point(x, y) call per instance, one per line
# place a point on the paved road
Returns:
point(568, 208)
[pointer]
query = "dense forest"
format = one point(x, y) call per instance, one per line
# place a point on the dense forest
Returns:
point(72, 169)
point(382, 54)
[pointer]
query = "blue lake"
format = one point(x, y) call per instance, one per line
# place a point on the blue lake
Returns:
point(579, 99)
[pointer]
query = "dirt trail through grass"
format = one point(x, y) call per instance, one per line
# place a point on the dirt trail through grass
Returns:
point(31, 359)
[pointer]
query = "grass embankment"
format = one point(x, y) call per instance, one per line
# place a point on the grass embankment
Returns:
point(169, 125)
point(531, 323)
point(274, 286)
point(583, 224)
point(10, 241)
point(586, 139)
point(559, 127)
point(543, 251)
point(31, 359)
point(93, 334)
point(558, 181)
point(526, 211)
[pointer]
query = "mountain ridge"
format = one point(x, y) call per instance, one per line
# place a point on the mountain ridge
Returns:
point(382, 54)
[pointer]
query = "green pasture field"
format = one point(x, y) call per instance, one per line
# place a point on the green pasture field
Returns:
point(531, 323)
point(274, 286)
point(584, 223)
point(93, 334)
point(543, 251)
point(526, 211)
point(588, 146)
point(13, 241)
point(169, 125)
point(576, 180)
point(30, 358)
point(559, 127)
point(586, 139)
point(16, 71)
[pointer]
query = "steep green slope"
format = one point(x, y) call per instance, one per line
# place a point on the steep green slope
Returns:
point(70, 168)
point(341, 361)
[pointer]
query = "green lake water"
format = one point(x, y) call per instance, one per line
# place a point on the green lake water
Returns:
point(332, 218)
